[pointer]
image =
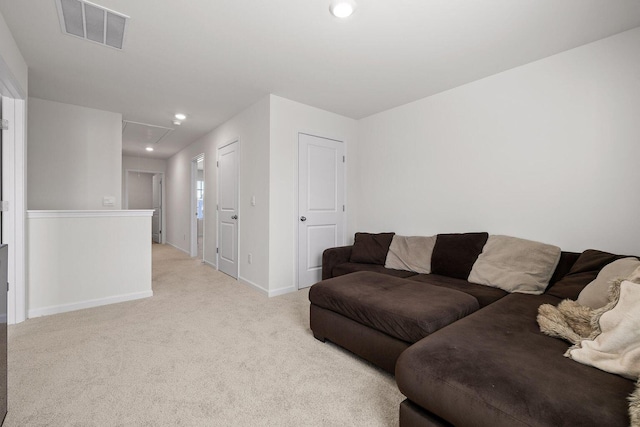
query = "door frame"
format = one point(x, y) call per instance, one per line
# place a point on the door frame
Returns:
point(125, 198)
point(218, 148)
point(193, 247)
point(14, 191)
point(14, 180)
point(296, 212)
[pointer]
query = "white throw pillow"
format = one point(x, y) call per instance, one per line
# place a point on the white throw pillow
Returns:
point(595, 294)
point(515, 265)
point(411, 253)
point(617, 348)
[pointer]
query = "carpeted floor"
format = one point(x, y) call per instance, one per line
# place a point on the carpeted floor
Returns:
point(203, 351)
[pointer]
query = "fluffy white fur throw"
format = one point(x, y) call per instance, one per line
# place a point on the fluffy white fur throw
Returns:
point(614, 346)
point(575, 323)
point(634, 406)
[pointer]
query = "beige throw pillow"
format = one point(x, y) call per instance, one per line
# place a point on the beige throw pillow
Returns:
point(616, 348)
point(635, 276)
point(515, 265)
point(595, 294)
point(411, 253)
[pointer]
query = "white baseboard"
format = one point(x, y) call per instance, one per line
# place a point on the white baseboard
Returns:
point(253, 285)
point(210, 264)
point(178, 248)
point(273, 293)
point(63, 308)
point(281, 291)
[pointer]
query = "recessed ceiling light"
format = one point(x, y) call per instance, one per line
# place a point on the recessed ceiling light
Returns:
point(342, 8)
point(180, 116)
point(149, 148)
point(177, 122)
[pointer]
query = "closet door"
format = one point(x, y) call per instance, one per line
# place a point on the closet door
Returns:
point(321, 207)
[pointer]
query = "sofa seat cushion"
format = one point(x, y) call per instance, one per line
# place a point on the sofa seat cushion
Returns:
point(404, 309)
point(352, 267)
point(495, 368)
point(484, 294)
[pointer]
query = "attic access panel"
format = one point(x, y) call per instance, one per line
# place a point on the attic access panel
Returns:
point(142, 133)
point(89, 21)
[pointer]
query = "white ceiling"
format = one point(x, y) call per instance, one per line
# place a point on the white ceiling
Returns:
point(212, 58)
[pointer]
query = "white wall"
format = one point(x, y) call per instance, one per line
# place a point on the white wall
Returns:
point(268, 135)
point(178, 200)
point(288, 118)
point(145, 164)
point(13, 68)
point(140, 164)
point(251, 128)
point(140, 192)
point(74, 158)
point(547, 151)
point(86, 259)
point(13, 84)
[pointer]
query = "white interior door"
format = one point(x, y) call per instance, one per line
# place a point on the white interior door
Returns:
point(228, 209)
point(321, 203)
point(156, 220)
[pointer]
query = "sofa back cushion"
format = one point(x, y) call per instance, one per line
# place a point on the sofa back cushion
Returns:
point(596, 293)
point(455, 254)
point(583, 271)
point(515, 265)
point(371, 248)
point(567, 259)
point(411, 253)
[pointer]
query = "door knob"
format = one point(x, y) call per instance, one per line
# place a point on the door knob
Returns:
point(303, 218)
point(234, 217)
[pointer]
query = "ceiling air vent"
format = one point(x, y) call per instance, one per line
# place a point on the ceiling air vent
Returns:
point(89, 21)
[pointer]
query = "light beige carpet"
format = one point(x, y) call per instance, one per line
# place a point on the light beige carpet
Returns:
point(203, 351)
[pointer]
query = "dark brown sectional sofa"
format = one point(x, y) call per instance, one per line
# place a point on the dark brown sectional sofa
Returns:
point(466, 354)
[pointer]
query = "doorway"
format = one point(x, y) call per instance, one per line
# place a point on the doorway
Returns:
point(144, 190)
point(156, 220)
point(321, 208)
point(228, 175)
point(197, 207)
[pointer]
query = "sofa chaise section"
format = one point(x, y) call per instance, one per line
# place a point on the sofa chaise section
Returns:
point(382, 314)
point(495, 368)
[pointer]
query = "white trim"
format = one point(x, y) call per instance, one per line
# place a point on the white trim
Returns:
point(255, 286)
point(20, 141)
point(193, 230)
point(14, 227)
point(282, 291)
point(265, 292)
point(63, 308)
point(90, 214)
point(178, 248)
point(210, 264)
